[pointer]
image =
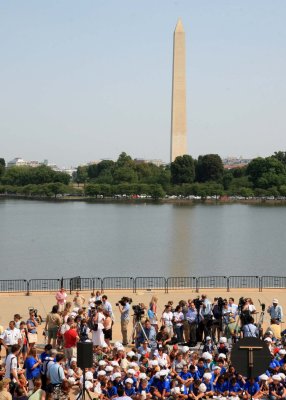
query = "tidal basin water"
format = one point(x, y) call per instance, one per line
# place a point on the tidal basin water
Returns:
point(51, 239)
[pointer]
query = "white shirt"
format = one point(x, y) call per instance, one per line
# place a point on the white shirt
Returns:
point(167, 317)
point(10, 364)
point(11, 337)
point(233, 309)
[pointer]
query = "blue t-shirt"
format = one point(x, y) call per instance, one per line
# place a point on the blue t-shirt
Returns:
point(32, 373)
point(130, 392)
point(234, 388)
point(112, 391)
point(185, 376)
point(251, 389)
point(161, 385)
point(221, 387)
point(201, 371)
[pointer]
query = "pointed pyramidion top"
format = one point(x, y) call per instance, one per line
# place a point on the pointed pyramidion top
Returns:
point(179, 26)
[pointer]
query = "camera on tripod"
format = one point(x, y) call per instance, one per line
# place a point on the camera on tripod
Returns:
point(138, 311)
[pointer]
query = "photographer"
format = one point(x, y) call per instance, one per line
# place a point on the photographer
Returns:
point(206, 313)
point(124, 309)
point(275, 311)
point(217, 322)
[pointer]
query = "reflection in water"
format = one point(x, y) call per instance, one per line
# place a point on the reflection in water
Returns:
point(181, 242)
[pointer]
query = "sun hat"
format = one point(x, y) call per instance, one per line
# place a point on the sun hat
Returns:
point(129, 380)
point(89, 375)
point(202, 388)
point(101, 373)
point(207, 375)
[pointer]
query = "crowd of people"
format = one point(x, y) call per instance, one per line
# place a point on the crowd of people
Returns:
point(181, 352)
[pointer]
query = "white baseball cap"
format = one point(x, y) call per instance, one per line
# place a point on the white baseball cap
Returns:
point(129, 380)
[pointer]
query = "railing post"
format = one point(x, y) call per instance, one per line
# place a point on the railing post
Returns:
point(62, 282)
point(28, 288)
point(260, 284)
point(197, 285)
point(70, 285)
point(227, 284)
point(134, 285)
point(167, 286)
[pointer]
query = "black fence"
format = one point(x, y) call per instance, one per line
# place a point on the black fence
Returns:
point(191, 283)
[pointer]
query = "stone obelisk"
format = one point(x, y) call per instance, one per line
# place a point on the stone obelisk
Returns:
point(179, 123)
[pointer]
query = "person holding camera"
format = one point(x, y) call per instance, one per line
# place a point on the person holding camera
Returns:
point(149, 333)
point(275, 311)
point(124, 309)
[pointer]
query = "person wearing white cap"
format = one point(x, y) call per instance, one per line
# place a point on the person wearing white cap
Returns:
point(129, 388)
point(263, 391)
point(209, 385)
point(275, 311)
point(276, 388)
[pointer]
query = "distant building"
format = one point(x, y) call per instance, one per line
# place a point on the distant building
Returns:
point(233, 162)
point(156, 162)
point(16, 162)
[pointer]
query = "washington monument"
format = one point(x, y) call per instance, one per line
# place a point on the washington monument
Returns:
point(179, 123)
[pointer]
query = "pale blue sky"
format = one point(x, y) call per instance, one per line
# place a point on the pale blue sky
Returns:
point(85, 80)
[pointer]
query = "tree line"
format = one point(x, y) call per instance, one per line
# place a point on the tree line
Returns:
point(186, 176)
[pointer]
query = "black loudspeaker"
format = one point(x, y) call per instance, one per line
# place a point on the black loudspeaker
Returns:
point(84, 355)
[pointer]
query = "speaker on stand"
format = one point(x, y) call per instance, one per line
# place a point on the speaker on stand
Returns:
point(84, 360)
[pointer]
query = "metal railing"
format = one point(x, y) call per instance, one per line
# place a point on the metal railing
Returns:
point(11, 286)
point(43, 285)
point(241, 282)
point(150, 283)
point(212, 282)
point(143, 283)
point(178, 282)
point(123, 282)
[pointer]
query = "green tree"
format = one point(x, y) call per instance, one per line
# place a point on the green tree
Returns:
point(281, 156)
point(182, 170)
point(246, 192)
point(209, 168)
point(2, 166)
point(156, 192)
point(92, 189)
point(81, 175)
point(265, 172)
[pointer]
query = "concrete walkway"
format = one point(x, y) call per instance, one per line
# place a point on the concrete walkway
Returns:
point(11, 304)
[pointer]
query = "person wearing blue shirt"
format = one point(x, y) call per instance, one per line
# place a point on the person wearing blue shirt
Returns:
point(251, 387)
point(201, 367)
point(185, 376)
point(221, 386)
point(193, 372)
point(111, 390)
point(129, 388)
point(32, 366)
point(124, 310)
point(233, 388)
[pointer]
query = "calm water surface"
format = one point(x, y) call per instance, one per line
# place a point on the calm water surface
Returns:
point(50, 240)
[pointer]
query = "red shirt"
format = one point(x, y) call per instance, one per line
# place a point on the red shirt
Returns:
point(70, 338)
